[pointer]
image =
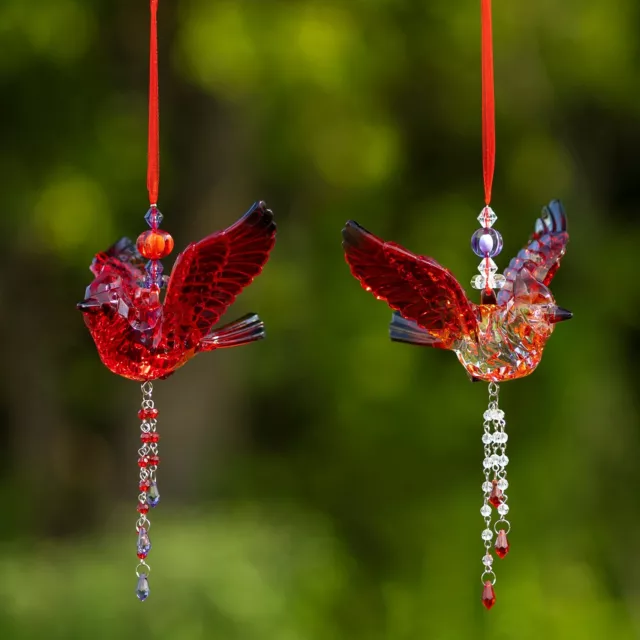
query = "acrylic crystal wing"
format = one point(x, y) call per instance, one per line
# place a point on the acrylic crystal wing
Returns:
point(542, 254)
point(209, 274)
point(122, 257)
point(416, 286)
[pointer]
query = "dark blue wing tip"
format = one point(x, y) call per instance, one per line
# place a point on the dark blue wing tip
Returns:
point(554, 217)
point(260, 215)
point(353, 234)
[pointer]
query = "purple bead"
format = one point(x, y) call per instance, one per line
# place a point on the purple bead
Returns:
point(154, 271)
point(154, 217)
point(153, 495)
point(486, 243)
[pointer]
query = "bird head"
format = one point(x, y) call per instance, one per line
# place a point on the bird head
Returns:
point(534, 303)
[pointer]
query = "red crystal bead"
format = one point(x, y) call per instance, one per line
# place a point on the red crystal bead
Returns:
point(149, 436)
point(144, 485)
point(142, 556)
point(155, 244)
point(154, 460)
point(502, 544)
point(148, 414)
point(143, 508)
point(488, 595)
point(496, 495)
point(143, 462)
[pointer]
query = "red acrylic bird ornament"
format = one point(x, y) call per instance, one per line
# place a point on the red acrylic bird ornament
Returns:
point(501, 340)
point(142, 338)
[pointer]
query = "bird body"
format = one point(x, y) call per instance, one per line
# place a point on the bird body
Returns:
point(141, 337)
point(503, 340)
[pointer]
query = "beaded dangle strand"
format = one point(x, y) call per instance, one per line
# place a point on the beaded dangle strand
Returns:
point(487, 244)
point(153, 245)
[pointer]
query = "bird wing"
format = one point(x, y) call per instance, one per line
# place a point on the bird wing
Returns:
point(209, 274)
point(542, 254)
point(416, 286)
point(121, 257)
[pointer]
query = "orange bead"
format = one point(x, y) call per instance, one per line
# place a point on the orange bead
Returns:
point(155, 244)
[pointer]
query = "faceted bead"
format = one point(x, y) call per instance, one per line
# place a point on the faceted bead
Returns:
point(154, 495)
point(487, 534)
point(502, 544)
point(487, 560)
point(487, 463)
point(149, 437)
point(144, 543)
point(154, 277)
point(148, 414)
point(143, 462)
point(487, 265)
point(496, 495)
point(154, 460)
point(487, 486)
point(155, 244)
point(503, 460)
point(486, 243)
point(154, 217)
point(487, 438)
point(503, 509)
point(487, 217)
point(144, 485)
point(485, 511)
point(503, 484)
point(143, 508)
point(142, 590)
point(488, 595)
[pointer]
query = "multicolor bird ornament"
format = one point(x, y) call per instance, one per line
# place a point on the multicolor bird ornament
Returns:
point(501, 339)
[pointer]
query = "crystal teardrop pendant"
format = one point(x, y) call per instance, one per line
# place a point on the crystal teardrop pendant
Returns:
point(502, 544)
point(142, 590)
point(153, 496)
point(488, 595)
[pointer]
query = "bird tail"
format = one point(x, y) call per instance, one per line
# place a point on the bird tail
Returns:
point(247, 329)
point(410, 332)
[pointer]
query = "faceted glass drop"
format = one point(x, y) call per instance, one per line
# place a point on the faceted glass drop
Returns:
point(142, 590)
point(153, 496)
point(153, 217)
point(144, 543)
point(488, 595)
point(496, 495)
point(487, 217)
point(486, 243)
point(143, 508)
point(502, 544)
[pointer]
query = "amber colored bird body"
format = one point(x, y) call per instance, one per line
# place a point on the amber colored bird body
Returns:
point(142, 338)
point(502, 340)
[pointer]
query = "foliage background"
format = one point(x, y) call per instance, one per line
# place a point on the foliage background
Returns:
point(323, 484)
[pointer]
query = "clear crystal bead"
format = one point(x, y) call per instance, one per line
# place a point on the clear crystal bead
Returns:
point(487, 561)
point(499, 281)
point(487, 534)
point(497, 437)
point(503, 460)
point(499, 414)
point(142, 590)
point(487, 487)
point(488, 415)
point(503, 484)
point(487, 438)
point(487, 217)
point(487, 463)
point(477, 282)
point(503, 509)
point(489, 265)
point(485, 511)
point(495, 460)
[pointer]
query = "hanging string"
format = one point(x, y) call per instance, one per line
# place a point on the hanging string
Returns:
point(153, 157)
point(488, 102)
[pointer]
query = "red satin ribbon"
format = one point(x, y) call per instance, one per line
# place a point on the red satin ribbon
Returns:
point(488, 102)
point(153, 157)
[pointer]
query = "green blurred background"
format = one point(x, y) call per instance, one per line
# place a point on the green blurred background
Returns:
point(323, 484)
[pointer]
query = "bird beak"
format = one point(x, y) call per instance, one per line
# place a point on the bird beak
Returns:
point(560, 315)
point(89, 304)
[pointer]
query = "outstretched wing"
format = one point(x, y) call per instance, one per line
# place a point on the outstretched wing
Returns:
point(208, 275)
point(416, 286)
point(542, 254)
point(121, 257)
